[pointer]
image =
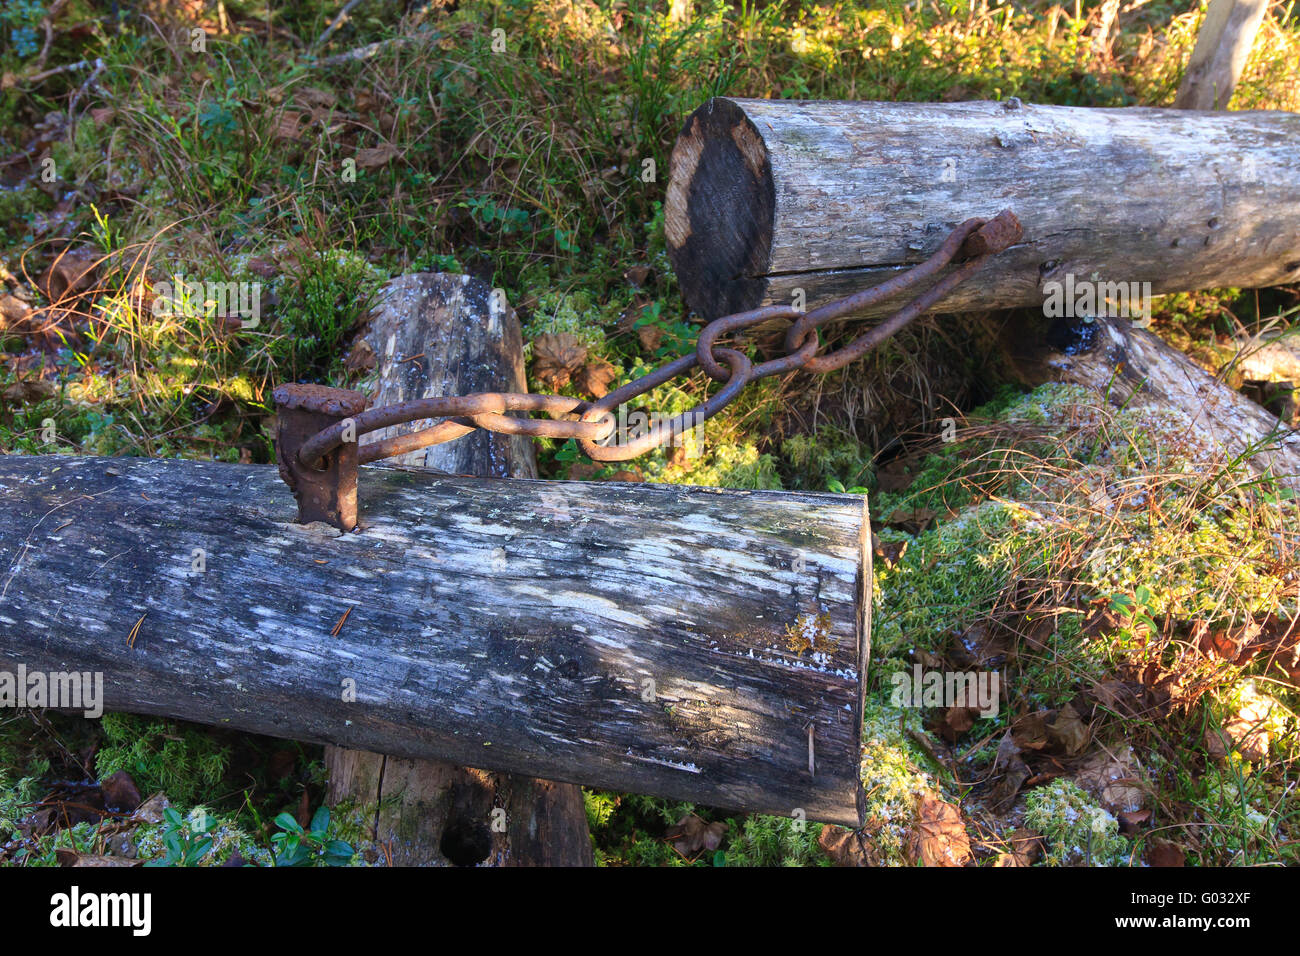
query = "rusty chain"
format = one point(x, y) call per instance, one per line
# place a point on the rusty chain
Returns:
point(317, 443)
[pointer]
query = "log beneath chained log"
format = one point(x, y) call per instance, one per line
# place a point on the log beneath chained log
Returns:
point(437, 334)
point(768, 196)
point(1134, 369)
point(697, 644)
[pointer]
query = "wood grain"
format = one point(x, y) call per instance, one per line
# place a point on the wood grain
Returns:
point(861, 191)
point(505, 624)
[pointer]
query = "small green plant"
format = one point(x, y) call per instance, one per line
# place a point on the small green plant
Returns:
point(1078, 831)
point(1137, 611)
point(774, 841)
point(295, 845)
point(837, 486)
point(105, 236)
point(185, 842)
point(21, 20)
point(494, 217)
point(323, 297)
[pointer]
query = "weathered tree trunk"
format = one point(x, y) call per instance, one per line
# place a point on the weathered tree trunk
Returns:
point(699, 644)
point(770, 196)
point(1222, 48)
point(432, 335)
point(1134, 369)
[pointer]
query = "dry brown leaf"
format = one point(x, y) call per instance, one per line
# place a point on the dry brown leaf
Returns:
point(1164, 853)
point(1100, 621)
point(1068, 731)
point(263, 267)
point(556, 356)
point(14, 314)
point(1013, 773)
point(68, 857)
point(1117, 696)
point(890, 552)
point(595, 378)
point(1130, 821)
point(691, 835)
point(27, 391)
point(376, 156)
point(1217, 742)
point(1248, 728)
point(72, 272)
point(895, 476)
point(1116, 780)
point(361, 358)
point(1030, 731)
point(847, 847)
point(650, 337)
point(151, 811)
point(939, 835)
point(315, 96)
point(911, 520)
point(1026, 848)
point(955, 721)
point(984, 648)
point(120, 792)
point(289, 125)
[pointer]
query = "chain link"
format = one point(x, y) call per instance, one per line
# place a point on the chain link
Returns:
point(591, 423)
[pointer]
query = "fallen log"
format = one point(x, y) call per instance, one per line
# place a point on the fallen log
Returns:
point(767, 197)
point(698, 644)
point(432, 335)
point(1134, 369)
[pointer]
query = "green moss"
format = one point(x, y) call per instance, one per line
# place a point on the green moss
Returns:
point(1078, 831)
point(775, 841)
point(949, 576)
point(176, 759)
point(812, 461)
point(895, 775)
point(574, 314)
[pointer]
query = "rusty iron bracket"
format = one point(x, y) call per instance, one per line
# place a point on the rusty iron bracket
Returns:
point(325, 490)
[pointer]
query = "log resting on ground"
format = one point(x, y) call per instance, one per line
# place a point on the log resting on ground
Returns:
point(769, 196)
point(692, 643)
point(1135, 369)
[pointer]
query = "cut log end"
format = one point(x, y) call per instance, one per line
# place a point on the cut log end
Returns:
point(719, 210)
point(775, 202)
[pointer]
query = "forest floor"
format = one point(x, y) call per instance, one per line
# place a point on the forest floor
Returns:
point(1079, 554)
